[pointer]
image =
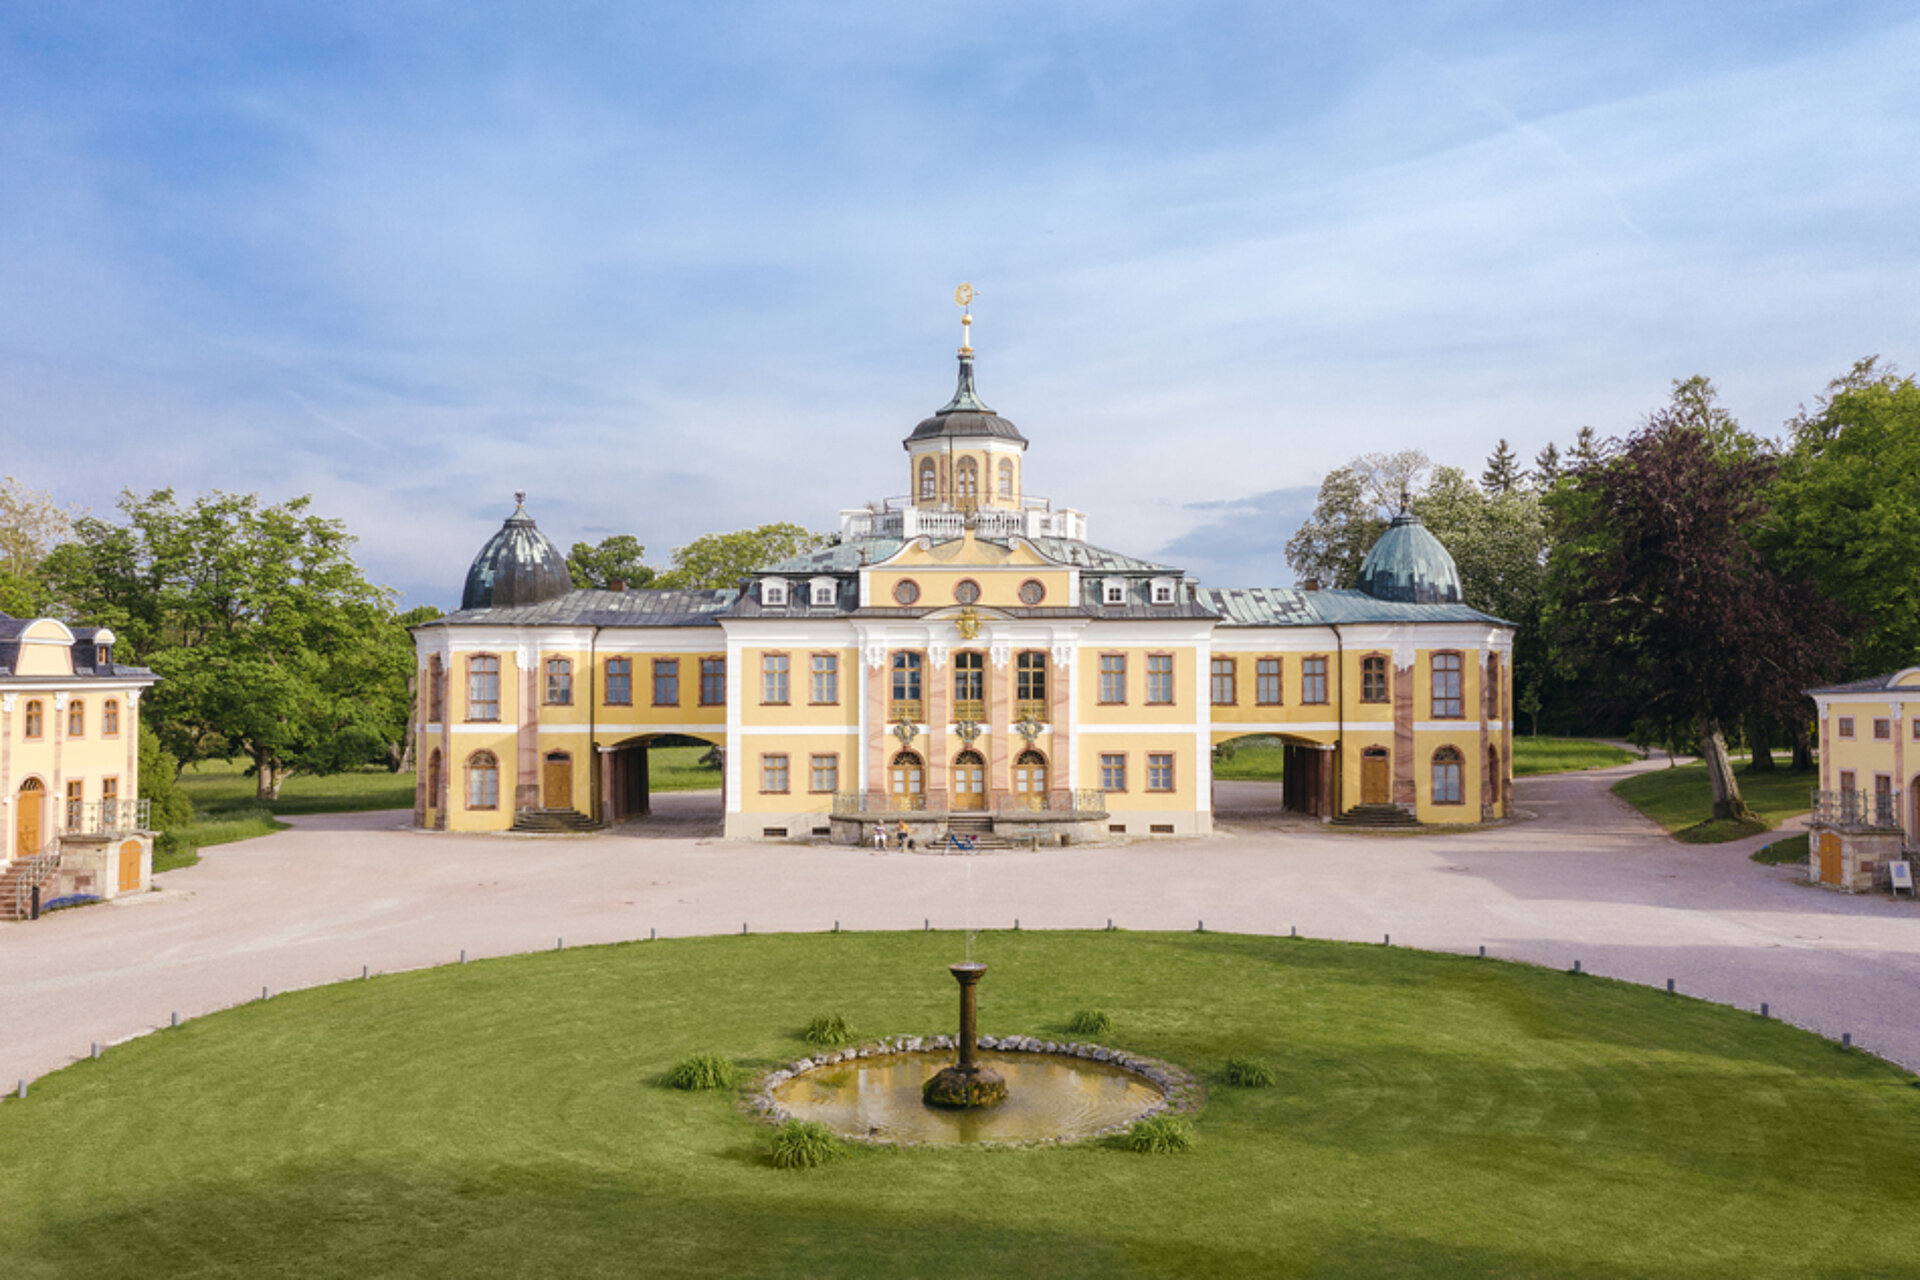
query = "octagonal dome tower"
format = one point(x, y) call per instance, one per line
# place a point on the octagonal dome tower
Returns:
point(518, 566)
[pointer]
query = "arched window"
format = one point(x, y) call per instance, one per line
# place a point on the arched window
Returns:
point(928, 485)
point(483, 781)
point(110, 717)
point(1006, 477)
point(967, 480)
point(76, 719)
point(1446, 777)
point(433, 779)
point(36, 718)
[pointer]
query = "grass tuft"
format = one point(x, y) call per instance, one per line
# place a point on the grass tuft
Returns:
point(702, 1071)
point(803, 1144)
point(1159, 1135)
point(1090, 1022)
point(1783, 853)
point(1249, 1073)
point(828, 1031)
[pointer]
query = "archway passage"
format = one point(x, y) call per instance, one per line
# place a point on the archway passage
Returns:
point(1030, 781)
point(627, 769)
point(30, 808)
point(969, 781)
point(1376, 776)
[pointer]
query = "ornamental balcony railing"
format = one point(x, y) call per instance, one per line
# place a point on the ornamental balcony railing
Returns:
point(1872, 810)
point(974, 709)
point(1034, 709)
point(899, 518)
point(1080, 800)
point(909, 710)
point(106, 817)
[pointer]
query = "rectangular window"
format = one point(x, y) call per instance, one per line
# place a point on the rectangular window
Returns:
point(1846, 726)
point(1882, 730)
point(823, 773)
point(110, 718)
point(1113, 771)
point(1224, 693)
point(76, 719)
point(76, 798)
point(1160, 679)
point(483, 687)
point(436, 691)
point(1113, 678)
point(908, 669)
point(666, 682)
point(109, 802)
point(713, 682)
point(1447, 703)
point(1266, 682)
point(1313, 680)
point(559, 682)
point(619, 682)
point(1916, 728)
point(970, 685)
point(1030, 678)
point(1159, 770)
point(1846, 780)
point(773, 773)
point(826, 679)
point(1373, 679)
point(773, 679)
point(31, 728)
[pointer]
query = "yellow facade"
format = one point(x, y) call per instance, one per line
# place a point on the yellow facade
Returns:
point(1870, 750)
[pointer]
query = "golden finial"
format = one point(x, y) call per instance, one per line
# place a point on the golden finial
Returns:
point(964, 295)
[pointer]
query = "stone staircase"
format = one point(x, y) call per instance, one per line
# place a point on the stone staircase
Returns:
point(1377, 815)
point(555, 822)
point(18, 880)
point(979, 828)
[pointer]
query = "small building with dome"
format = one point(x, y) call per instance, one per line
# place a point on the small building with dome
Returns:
point(963, 658)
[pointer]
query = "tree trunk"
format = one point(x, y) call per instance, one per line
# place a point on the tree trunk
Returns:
point(1726, 788)
point(267, 777)
point(1802, 749)
point(401, 760)
point(1760, 743)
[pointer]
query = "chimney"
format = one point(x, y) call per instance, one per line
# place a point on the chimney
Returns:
point(1313, 584)
point(617, 584)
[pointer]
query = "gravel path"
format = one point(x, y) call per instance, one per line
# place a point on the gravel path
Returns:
point(1583, 877)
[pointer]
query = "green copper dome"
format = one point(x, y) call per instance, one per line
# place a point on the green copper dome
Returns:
point(1408, 564)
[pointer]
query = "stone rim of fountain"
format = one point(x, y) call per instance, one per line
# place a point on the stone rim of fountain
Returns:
point(1180, 1090)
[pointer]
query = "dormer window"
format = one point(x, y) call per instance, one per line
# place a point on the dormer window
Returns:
point(773, 591)
point(1163, 590)
point(102, 655)
point(825, 592)
point(1113, 591)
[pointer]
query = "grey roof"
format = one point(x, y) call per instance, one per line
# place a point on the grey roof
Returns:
point(965, 414)
point(640, 607)
point(1872, 684)
point(85, 652)
point(842, 557)
point(1287, 607)
point(1408, 563)
point(518, 566)
point(1087, 556)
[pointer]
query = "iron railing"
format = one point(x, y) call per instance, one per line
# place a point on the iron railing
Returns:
point(1873, 810)
point(30, 874)
point(108, 817)
point(1036, 518)
point(1061, 800)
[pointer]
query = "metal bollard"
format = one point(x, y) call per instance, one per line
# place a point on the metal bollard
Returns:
point(1200, 926)
point(1387, 940)
point(926, 923)
point(263, 993)
point(559, 944)
point(1293, 931)
point(1576, 966)
point(1483, 951)
point(1109, 924)
point(652, 934)
point(176, 1017)
point(96, 1051)
point(23, 1088)
point(1846, 1039)
point(463, 955)
point(836, 926)
point(1016, 924)
point(364, 974)
point(1763, 1008)
point(1669, 986)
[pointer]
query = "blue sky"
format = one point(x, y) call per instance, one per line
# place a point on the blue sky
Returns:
point(676, 269)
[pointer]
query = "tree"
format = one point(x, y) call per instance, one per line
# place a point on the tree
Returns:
point(1546, 466)
point(1351, 513)
point(1661, 596)
point(31, 524)
point(1498, 540)
point(269, 641)
point(719, 560)
point(1503, 470)
point(1847, 509)
point(619, 558)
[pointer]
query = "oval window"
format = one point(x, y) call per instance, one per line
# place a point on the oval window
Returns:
point(906, 591)
point(1032, 591)
point(966, 591)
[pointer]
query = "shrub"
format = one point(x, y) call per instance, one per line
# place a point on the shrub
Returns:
point(803, 1144)
point(828, 1031)
point(702, 1071)
point(1158, 1135)
point(1249, 1073)
point(1090, 1022)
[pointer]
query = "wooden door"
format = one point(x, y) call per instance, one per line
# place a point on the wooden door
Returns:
point(969, 781)
point(908, 779)
point(1376, 777)
point(27, 824)
point(129, 866)
point(1030, 781)
point(1829, 858)
point(558, 780)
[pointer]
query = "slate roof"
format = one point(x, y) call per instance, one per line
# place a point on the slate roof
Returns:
point(843, 557)
point(1872, 684)
point(519, 565)
point(964, 415)
point(639, 607)
point(1288, 607)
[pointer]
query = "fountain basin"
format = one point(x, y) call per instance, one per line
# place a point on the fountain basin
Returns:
point(874, 1094)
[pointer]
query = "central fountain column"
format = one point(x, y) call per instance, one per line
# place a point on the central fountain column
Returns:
point(966, 1083)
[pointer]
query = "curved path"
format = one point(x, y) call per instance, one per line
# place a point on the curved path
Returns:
point(1585, 877)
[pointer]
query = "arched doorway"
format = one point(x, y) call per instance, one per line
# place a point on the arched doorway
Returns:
point(1376, 776)
point(969, 781)
point(907, 781)
point(129, 866)
point(1030, 781)
point(556, 782)
point(29, 818)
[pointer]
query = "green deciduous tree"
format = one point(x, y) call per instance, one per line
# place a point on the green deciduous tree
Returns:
point(619, 558)
point(269, 641)
point(1354, 505)
point(720, 560)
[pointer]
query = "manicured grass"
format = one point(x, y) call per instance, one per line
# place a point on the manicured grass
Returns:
point(1782, 853)
point(679, 769)
point(221, 787)
point(1565, 755)
point(1433, 1115)
point(181, 847)
point(1681, 800)
point(1253, 759)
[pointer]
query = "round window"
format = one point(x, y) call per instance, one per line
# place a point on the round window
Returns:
point(1032, 591)
point(906, 591)
point(966, 591)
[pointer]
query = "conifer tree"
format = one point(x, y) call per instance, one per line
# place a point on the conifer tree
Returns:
point(1503, 470)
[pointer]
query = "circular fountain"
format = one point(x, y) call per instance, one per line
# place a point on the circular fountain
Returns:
point(967, 1083)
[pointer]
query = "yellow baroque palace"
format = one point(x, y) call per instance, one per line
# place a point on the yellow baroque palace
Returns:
point(1866, 811)
point(69, 766)
point(962, 658)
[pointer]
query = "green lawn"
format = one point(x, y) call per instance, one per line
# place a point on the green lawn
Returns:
point(1565, 755)
point(679, 769)
point(1681, 800)
point(1253, 759)
point(1788, 852)
point(1434, 1116)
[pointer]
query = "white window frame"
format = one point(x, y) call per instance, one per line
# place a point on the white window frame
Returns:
point(1113, 591)
point(773, 591)
point(824, 591)
point(1163, 591)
